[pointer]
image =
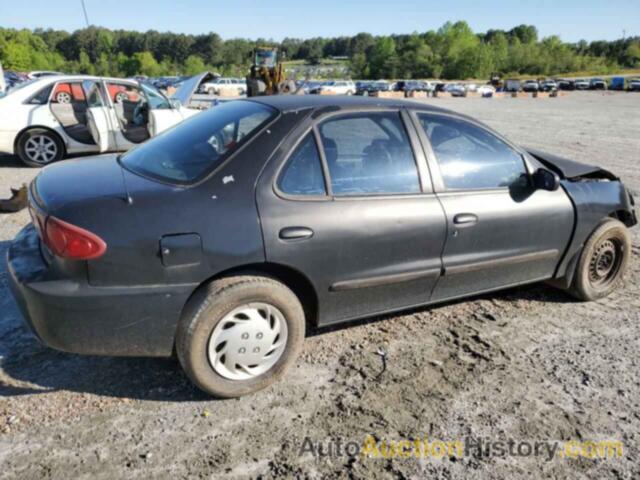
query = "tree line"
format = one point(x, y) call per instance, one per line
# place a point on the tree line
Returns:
point(453, 51)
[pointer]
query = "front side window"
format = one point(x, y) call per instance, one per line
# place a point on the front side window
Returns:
point(470, 157)
point(369, 154)
point(157, 101)
point(302, 174)
point(195, 147)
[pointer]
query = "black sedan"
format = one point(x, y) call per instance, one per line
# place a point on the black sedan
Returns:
point(226, 237)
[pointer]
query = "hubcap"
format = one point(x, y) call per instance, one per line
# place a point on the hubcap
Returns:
point(248, 341)
point(41, 149)
point(605, 263)
point(63, 97)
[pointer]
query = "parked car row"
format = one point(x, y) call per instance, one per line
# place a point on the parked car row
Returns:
point(596, 83)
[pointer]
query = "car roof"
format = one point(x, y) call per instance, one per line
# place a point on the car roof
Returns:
point(287, 103)
point(70, 77)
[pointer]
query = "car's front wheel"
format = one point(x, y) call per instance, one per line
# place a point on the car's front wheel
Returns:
point(39, 147)
point(240, 334)
point(603, 261)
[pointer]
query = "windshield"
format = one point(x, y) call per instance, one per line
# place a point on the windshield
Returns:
point(192, 149)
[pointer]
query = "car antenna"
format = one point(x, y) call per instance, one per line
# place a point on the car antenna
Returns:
point(127, 197)
point(84, 9)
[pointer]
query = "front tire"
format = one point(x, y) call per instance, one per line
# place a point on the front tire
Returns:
point(39, 147)
point(240, 334)
point(603, 261)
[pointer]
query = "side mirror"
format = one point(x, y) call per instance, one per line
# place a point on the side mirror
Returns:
point(175, 103)
point(546, 180)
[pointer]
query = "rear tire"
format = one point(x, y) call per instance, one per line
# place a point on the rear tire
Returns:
point(603, 261)
point(229, 321)
point(38, 147)
point(63, 97)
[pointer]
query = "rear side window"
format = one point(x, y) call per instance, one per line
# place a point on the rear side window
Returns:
point(369, 154)
point(470, 157)
point(195, 147)
point(42, 97)
point(302, 174)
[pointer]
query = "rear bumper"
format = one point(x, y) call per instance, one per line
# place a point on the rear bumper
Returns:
point(73, 316)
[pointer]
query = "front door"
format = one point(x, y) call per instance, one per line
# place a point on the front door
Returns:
point(351, 208)
point(129, 113)
point(500, 230)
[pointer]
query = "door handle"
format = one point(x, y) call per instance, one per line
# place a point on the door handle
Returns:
point(295, 233)
point(466, 219)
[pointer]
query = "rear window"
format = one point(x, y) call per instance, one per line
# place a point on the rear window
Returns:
point(195, 147)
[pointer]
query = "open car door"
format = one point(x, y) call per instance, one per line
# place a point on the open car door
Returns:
point(97, 119)
point(163, 113)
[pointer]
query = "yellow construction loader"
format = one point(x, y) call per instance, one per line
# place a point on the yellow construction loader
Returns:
point(266, 76)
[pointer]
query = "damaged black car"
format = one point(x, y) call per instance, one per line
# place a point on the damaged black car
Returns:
point(225, 238)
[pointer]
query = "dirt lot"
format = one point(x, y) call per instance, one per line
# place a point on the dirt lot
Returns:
point(527, 364)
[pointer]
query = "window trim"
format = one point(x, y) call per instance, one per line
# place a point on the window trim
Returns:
point(432, 161)
point(287, 158)
point(297, 134)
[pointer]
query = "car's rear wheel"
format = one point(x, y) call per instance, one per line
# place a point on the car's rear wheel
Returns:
point(63, 97)
point(121, 97)
point(211, 91)
point(603, 261)
point(39, 147)
point(240, 334)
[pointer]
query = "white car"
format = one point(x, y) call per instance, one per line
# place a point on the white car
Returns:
point(213, 87)
point(486, 90)
point(48, 118)
point(338, 87)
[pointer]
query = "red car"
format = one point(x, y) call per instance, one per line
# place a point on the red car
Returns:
point(67, 92)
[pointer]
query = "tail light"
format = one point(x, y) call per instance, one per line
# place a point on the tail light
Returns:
point(68, 241)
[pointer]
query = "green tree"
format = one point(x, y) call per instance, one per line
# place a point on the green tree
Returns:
point(147, 64)
point(194, 65)
point(384, 59)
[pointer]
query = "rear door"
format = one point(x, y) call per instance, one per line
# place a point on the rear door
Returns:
point(349, 204)
point(98, 121)
point(501, 231)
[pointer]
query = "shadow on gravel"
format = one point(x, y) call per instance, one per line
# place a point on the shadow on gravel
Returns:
point(28, 368)
point(11, 161)
point(539, 293)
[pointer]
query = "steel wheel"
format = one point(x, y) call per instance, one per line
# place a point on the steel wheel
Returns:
point(63, 97)
point(605, 263)
point(41, 149)
point(248, 341)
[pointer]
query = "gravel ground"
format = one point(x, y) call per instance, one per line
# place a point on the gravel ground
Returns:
point(526, 364)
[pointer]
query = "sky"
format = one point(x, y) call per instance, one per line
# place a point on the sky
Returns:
point(572, 20)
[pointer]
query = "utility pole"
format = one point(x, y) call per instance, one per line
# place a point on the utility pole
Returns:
point(84, 9)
